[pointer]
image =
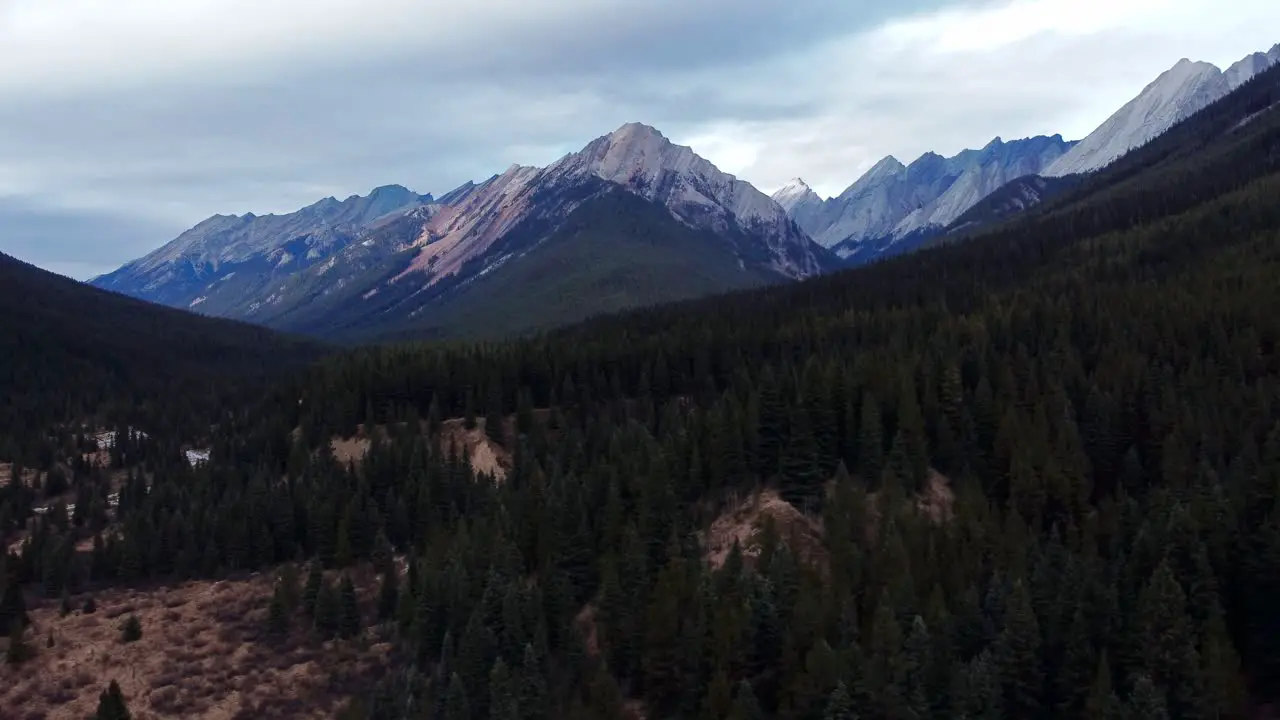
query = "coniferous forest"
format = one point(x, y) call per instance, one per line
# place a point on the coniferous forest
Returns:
point(1035, 474)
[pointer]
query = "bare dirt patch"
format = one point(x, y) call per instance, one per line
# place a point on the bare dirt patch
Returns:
point(937, 500)
point(590, 630)
point(203, 654)
point(352, 449)
point(743, 522)
point(6, 474)
point(486, 456)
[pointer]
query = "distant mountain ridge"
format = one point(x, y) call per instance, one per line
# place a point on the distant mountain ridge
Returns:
point(395, 259)
point(1178, 93)
point(392, 256)
point(270, 246)
point(893, 201)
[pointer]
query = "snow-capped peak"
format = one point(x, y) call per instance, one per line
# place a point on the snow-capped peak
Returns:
point(799, 200)
point(793, 192)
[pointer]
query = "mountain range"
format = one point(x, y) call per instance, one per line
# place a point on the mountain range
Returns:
point(631, 219)
point(893, 202)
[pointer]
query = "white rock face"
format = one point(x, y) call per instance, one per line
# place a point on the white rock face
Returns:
point(1177, 94)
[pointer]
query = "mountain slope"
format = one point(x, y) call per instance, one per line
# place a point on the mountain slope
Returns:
point(1175, 95)
point(221, 261)
point(392, 269)
point(613, 252)
point(892, 203)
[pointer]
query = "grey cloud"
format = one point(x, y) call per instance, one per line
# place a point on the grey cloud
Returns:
point(77, 244)
point(112, 168)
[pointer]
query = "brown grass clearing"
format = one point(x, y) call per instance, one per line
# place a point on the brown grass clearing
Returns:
point(204, 653)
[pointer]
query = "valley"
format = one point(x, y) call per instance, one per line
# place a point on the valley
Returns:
point(622, 436)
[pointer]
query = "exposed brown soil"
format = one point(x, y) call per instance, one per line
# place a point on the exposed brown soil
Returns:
point(486, 456)
point(352, 449)
point(6, 474)
point(203, 654)
point(743, 521)
point(937, 500)
point(586, 622)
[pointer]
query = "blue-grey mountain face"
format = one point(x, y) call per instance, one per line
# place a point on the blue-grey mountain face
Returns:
point(227, 260)
point(894, 202)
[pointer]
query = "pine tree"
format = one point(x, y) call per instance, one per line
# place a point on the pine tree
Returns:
point(1146, 702)
point(456, 706)
point(503, 703)
point(870, 440)
point(533, 688)
point(111, 704)
point(290, 587)
point(17, 651)
point(1167, 642)
point(1102, 703)
point(718, 702)
point(1017, 654)
point(745, 704)
point(328, 614)
point(277, 613)
point(493, 420)
point(13, 607)
point(388, 594)
point(349, 612)
point(131, 630)
point(800, 481)
point(840, 705)
point(311, 593)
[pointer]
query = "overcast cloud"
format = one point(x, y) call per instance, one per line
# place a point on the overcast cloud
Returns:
point(123, 123)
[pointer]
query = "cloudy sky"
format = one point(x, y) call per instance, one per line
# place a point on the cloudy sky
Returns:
point(123, 123)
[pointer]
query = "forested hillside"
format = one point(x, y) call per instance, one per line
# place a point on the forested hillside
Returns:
point(1034, 475)
point(71, 354)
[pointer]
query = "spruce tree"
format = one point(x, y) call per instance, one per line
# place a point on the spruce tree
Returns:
point(388, 594)
point(311, 593)
point(328, 614)
point(533, 687)
point(349, 611)
point(745, 704)
point(718, 702)
point(277, 613)
point(503, 701)
point(800, 476)
point(840, 705)
point(111, 704)
point(1017, 654)
point(1101, 702)
point(131, 629)
point(18, 651)
point(1146, 702)
point(456, 706)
